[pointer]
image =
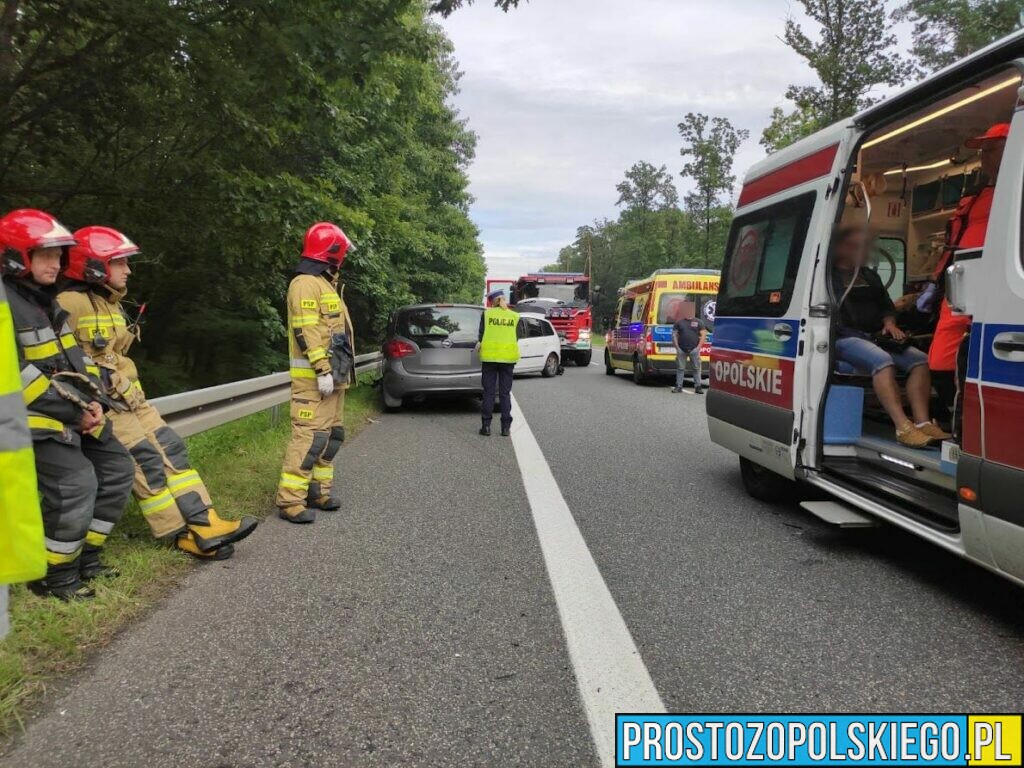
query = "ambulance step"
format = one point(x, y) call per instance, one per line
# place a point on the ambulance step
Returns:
point(909, 496)
point(840, 515)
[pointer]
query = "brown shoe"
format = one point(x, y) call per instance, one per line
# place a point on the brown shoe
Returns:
point(912, 437)
point(934, 431)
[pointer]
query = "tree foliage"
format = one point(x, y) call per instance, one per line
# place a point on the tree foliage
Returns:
point(947, 30)
point(448, 7)
point(710, 144)
point(647, 189)
point(214, 132)
point(646, 236)
point(851, 54)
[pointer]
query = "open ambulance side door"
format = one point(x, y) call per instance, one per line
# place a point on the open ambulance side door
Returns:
point(758, 401)
point(988, 284)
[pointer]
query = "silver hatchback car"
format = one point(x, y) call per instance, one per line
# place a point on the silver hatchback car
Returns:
point(431, 349)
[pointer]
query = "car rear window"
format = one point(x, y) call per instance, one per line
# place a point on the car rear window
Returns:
point(459, 324)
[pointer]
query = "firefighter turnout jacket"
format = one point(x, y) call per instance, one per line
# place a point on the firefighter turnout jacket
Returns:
point(317, 318)
point(170, 492)
point(84, 480)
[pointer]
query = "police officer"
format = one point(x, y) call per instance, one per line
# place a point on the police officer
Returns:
point(84, 474)
point(322, 368)
point(499, 353)
point(171, 494)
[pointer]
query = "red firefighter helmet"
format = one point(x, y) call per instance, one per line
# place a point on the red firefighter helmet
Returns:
point(26, 229)
point(326, 242)
point(96, 247)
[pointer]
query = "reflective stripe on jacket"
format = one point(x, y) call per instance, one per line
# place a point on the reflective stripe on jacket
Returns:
point(316, 311)
point(101, 328)
point(499, 344)
point(22, 550)
point(46, 345)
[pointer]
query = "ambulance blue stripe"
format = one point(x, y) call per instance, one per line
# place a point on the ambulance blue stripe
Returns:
point(994, 370)
point(756, 336)
point(974, 353)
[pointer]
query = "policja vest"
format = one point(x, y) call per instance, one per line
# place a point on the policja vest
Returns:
point(22, 553)
point(499, 344)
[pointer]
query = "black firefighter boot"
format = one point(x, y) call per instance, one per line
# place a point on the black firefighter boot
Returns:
point(318, 500)
point(63, 582)
point(91, 567)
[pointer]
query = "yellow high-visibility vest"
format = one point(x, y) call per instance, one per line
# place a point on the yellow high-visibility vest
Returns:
point(499, 344)
point(22, 551)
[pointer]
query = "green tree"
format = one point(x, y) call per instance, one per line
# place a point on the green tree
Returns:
point(214, 132)
point(710, 143)
point(647, 189)
point(947, 30)
point(448, 7)
point(851, 54)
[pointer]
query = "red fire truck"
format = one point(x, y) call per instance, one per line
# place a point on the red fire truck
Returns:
point(564, 299)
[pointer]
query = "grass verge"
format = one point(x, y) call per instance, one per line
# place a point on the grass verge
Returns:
point(240, 463)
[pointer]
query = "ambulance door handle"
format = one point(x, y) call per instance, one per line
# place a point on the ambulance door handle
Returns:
point(783, 331)
point(1009, 346)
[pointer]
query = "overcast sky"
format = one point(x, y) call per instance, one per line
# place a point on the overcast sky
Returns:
point(565, 95)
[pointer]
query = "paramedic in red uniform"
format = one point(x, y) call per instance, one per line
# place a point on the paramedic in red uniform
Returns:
point(965, 230)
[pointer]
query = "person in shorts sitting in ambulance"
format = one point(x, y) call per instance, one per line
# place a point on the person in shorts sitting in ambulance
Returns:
point(871, 344)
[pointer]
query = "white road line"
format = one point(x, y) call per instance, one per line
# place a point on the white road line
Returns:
point(609, 671)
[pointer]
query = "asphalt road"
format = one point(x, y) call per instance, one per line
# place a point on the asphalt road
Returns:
point(419, 626)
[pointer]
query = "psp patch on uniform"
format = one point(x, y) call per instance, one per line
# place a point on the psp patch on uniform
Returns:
point(308, 304)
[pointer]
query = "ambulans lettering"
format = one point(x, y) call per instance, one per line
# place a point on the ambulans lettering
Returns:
point(701, 286)
point(768, 380)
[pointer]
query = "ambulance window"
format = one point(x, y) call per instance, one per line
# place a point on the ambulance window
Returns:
point(889, 255)
point(639, 309)
point(763, 257)
point(625, 312)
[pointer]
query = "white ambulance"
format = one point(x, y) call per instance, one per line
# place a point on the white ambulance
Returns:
point(779, 396)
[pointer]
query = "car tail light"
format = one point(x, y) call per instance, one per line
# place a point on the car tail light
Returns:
point(397, 348)
point(649, 343)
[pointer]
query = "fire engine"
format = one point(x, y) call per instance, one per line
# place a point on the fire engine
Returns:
point(564, 299)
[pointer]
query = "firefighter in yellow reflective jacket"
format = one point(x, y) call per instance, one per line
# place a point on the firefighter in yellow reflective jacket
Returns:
point(22, 552)
point(322, 368)
point(84, 474)
point(171, 495)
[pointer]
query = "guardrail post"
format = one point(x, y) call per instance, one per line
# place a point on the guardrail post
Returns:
point(5, 623)
point(275, 415)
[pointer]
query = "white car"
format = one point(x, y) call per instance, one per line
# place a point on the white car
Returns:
point(540, 349)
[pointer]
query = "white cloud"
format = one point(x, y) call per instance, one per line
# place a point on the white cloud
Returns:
point(565, 95)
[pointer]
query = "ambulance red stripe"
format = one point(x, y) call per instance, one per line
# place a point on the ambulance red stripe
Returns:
point(1004, 414)
point(763, 378)
point(800, 171)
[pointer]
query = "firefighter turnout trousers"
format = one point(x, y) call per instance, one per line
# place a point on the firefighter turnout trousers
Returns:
point(84, 488)
point(169, 491)
point(317, 434)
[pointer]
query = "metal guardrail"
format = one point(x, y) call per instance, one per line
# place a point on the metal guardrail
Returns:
point(199, 410)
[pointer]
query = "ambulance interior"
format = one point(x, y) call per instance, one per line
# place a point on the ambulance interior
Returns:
point(907, 182)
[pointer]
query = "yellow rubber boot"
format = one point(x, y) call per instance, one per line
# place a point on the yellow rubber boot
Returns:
point(186, 542)
point(210, 531)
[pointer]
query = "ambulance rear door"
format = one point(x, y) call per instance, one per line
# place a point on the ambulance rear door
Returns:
point(988, 284)
point(777, 246)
